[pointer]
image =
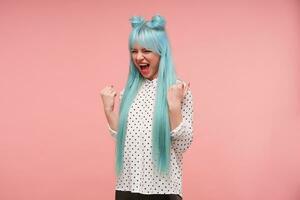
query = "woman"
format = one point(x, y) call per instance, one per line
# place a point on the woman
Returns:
point(153, 127)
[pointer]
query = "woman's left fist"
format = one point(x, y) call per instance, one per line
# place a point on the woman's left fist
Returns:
point(176, 94)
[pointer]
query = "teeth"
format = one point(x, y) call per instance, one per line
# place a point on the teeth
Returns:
point(143, 66)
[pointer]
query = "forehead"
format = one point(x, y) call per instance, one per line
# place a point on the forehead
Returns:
point(144, 40)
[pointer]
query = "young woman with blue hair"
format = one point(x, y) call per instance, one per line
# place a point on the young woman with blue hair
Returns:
point(153, 127)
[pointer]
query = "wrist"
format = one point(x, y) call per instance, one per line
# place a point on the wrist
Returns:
point(108, 110)
point(175, 108)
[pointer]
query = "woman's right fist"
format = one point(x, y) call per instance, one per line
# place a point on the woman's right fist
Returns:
point(108, 95)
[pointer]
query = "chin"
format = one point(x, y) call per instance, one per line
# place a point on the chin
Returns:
point(149, 76)
point(146, 76)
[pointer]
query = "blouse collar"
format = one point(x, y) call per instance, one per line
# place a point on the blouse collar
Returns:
point(151, 82)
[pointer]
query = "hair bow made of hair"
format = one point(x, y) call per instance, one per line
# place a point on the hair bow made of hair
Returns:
point(156, 22)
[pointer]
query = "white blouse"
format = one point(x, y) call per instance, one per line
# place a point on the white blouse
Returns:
point(138, 174)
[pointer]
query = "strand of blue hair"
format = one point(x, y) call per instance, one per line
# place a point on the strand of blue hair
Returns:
point(157, 41)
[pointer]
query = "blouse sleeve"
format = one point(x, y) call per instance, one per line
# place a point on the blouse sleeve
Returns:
point(111, 131)
point(182, 135)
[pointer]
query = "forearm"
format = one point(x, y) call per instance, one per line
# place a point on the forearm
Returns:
point(175, 117)
point(112, 119)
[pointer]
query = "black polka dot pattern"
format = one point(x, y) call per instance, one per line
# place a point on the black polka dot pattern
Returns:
point(138, 174)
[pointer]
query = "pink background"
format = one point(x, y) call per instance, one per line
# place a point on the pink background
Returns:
point(241, 58)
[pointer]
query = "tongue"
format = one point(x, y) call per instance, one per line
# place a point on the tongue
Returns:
point(145, 70)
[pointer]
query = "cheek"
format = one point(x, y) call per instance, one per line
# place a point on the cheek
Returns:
point(133, 57)
point(157, 63)
point(155, 60)
point(133, 61)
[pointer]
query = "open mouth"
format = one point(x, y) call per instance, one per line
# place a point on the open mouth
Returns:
point(145, 68)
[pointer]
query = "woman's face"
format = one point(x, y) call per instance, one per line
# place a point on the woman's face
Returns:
point(146, 61)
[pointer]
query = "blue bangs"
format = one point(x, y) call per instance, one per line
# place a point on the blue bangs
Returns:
point(148, 38)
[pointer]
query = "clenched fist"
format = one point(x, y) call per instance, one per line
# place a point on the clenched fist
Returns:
point(108, 95)
point(176, 94)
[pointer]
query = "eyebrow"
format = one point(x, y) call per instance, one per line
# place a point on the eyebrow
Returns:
point(142, 49)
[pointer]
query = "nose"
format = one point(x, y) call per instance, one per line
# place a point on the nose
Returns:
point(139, 56)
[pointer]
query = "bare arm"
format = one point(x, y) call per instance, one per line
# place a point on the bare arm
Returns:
point(175, 117)
point(112, 119)
point(181, 122)
point(108, 95)
point(176, 94)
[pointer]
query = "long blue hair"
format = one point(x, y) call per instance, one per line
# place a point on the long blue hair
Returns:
point(150, 35)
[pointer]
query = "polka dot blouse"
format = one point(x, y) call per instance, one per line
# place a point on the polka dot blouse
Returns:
point(139, 174)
